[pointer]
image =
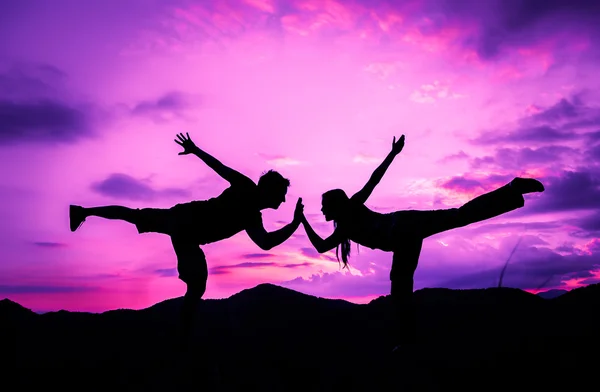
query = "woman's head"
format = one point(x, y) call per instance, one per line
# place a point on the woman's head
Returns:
point(335, 206)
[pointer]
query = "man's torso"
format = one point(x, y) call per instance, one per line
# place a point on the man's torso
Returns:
point(220, 217)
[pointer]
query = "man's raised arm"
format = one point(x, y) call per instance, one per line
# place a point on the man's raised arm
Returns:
point(228, 174)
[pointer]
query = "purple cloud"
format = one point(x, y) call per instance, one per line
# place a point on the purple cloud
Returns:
point(296, 265)
point(503, 25)
point(573, 190)
point(522, 158)
point(534, 268)
point(25, 80)
point(257, 255)
point(42, 121)
point(465, 184)
point(224, 269)
point(166, 272)
point(122, 186)
point(590, 222)
point(32, 289)
point(534, 134)
point(312, 253)
point(454, 157)
point(564, 121)
point(339, 284)
point(50, 244)
point(172, 102)
point(33, 111)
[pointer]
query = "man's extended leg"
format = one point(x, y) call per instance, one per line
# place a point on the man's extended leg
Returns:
point(192, 268)
point(146, 220)
point(77, 214)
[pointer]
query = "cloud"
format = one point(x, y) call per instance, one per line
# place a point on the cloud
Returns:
point(257, 255)
point(342, 284)
point(536, 134)
point(279, 160)
point(50, 244)
point(501, 26)
point(225, 269)
point(570, 191)
point(364, 158)
point(534, 268)
point(34, 289)
point(454, 157)
point(167, 106)
point(122, 186)
point(469, 183)
point(431, 93)
point(26, 80)
point(590, 222)
point(536, 31)
point(518, 159)
point(166, 272)
point(312, 253)
point(42, 121)
point(565, 121)
point(33, 107)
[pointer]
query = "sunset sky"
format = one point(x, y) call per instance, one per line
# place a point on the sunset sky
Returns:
point(92, 94)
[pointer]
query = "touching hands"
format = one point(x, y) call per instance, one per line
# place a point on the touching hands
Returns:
point(187, 144)
point(299, 211)
point(397, 146)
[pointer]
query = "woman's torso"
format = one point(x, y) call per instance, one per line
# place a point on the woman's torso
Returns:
point(369, 228)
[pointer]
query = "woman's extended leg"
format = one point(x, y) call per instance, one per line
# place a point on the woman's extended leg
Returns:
point(489, 205)
point(193, 271)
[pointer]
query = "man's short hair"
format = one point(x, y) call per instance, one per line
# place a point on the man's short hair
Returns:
point(272, 179)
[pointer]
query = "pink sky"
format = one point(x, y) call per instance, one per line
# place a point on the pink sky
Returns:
point(92, 94)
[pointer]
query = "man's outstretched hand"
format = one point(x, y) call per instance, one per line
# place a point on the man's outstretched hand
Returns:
point(299, 211)
point(397, 146)
point(188, 145)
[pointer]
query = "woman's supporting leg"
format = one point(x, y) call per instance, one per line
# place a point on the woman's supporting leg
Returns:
point(192, 268)
point(404, 264)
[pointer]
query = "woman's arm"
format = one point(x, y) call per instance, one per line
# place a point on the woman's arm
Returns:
point(362, 195)
point(321, 245)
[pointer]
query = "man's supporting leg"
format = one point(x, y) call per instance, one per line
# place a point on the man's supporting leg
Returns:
point(192, 268)
point(191, 299)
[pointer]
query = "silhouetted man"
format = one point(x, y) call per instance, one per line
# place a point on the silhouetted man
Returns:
point(205, 221)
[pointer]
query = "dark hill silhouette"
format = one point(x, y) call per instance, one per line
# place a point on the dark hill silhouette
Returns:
point(553, 293)
point(273, 338)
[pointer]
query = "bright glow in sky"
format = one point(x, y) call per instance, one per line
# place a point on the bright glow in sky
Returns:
point(92, 94)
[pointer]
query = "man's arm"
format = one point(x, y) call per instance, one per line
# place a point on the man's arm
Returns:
point(228, 174)
point(362, 195)
point(321, 245)
point(268, 240)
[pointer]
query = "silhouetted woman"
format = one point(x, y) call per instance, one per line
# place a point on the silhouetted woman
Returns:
point(402, 232)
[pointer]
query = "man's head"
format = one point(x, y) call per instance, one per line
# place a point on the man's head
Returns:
point(273, 188)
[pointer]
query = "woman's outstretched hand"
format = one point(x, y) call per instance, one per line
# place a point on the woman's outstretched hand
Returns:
point(187, 143)
point(397, 146)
